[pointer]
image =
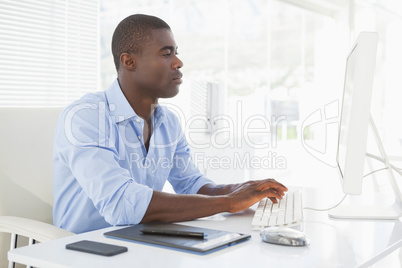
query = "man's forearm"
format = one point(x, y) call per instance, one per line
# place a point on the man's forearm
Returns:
point(167, 207)
point(217, 189)
point(211, 199)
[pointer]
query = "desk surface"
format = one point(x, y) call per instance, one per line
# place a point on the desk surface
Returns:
point(334, 243)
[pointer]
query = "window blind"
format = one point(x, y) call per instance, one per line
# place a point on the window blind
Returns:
point(48, 51)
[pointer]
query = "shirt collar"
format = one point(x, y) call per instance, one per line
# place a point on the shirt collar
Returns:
point(118, 104)
point(121, 109)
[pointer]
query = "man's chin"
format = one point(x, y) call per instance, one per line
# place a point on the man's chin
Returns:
point(171, 93)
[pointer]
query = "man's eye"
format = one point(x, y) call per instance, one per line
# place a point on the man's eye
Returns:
point(168, 54)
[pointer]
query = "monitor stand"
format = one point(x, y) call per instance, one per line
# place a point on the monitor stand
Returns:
point(391, 212)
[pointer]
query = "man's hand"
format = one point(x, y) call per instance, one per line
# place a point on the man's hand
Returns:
point(247, 194)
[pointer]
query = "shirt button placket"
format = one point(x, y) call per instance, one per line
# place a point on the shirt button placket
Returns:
point(138, 121)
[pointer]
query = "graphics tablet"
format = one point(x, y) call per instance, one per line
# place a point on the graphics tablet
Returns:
point(164, 235)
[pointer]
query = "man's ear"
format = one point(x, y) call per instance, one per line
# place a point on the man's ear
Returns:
point(128, 61)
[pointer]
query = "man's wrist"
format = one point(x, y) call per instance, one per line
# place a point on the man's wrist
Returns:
point(225, 202)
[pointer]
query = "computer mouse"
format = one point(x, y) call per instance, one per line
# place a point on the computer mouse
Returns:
point(284, 236)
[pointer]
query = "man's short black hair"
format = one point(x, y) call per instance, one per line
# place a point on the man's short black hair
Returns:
point(132, 33)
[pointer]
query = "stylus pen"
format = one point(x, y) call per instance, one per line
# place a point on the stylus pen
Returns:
point(189, 234)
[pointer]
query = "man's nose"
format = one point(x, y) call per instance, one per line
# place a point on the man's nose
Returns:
point(177, 64)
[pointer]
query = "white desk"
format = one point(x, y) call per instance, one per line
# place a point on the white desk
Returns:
point(334, 243)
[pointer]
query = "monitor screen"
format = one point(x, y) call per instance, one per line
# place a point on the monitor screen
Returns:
point(355, 112)
point(345, 112)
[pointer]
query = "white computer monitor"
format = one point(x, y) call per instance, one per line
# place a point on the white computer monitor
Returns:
point(355, 112)
point(353, 131)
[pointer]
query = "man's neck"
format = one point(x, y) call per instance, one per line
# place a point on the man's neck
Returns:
point(143, 106)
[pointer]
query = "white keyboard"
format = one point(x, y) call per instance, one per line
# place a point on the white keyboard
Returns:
point(287, 212)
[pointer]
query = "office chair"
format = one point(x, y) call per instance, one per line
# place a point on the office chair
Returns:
point(26, 177)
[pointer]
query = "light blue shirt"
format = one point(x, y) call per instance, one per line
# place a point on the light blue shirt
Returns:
point(103, 175)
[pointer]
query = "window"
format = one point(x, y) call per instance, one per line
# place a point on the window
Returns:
point(48, 51)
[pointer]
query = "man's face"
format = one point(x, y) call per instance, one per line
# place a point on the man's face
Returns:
point(157, 68)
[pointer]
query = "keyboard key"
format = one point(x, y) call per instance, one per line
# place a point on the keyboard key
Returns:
point(287, 212)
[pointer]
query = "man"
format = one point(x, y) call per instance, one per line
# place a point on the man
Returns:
point(114, 150)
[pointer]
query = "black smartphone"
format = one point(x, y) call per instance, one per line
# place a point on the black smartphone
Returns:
point(96, 248)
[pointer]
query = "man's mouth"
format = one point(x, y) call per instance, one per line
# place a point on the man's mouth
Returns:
point(179, 76)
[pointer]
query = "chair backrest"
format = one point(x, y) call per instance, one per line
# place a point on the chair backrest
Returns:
point(26, 173)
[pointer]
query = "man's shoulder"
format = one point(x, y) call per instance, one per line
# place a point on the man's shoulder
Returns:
point(171, 113)
point(174, 118)
point(90, 99)
point(87, 106)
